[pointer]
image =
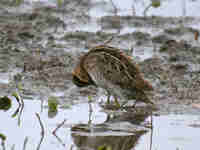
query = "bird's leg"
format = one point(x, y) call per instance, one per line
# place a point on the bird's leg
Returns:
point(116, 102)
point(108, 98)
point(108, 118)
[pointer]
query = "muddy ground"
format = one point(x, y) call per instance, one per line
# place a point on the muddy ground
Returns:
point(39, 46)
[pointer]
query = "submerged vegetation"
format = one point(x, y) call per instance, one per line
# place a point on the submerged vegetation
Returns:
point(5, 103)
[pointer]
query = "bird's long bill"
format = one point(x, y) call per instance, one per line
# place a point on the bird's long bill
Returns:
point(81, 74)
point(77, 78)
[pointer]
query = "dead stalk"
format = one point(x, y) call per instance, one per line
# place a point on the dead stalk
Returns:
point(58, 127)
point(25, 143)
point(151, 136)
point(42, 131)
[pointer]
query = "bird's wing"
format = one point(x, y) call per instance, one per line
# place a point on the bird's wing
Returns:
point(132, 69)
point(103, 67)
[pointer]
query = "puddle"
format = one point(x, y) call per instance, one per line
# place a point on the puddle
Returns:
point(99, 9)
point(144, 53)
point(4, 78)
point(30, 126)
point(90, 26)
point(173, 132)
point(170, 132)
point(168, 8)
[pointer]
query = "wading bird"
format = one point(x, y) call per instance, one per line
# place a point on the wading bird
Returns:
point(111, 69)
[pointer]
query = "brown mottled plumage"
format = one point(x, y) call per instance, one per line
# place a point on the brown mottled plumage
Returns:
point(111, 69)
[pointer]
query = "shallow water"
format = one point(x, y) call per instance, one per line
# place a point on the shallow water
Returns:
point(4, 78)
point(173, 132)
point(168, 8)
point(30, 127)
point(169, 131)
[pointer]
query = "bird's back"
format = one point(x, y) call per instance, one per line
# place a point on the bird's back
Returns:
point(114, 71)
point(129, 67)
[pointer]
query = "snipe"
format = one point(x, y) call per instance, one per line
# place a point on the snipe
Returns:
point(111, 69)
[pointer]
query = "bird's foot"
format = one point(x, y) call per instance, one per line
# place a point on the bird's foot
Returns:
point(117, 103)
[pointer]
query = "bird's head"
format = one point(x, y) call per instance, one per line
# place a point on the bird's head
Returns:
point(80, 77)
